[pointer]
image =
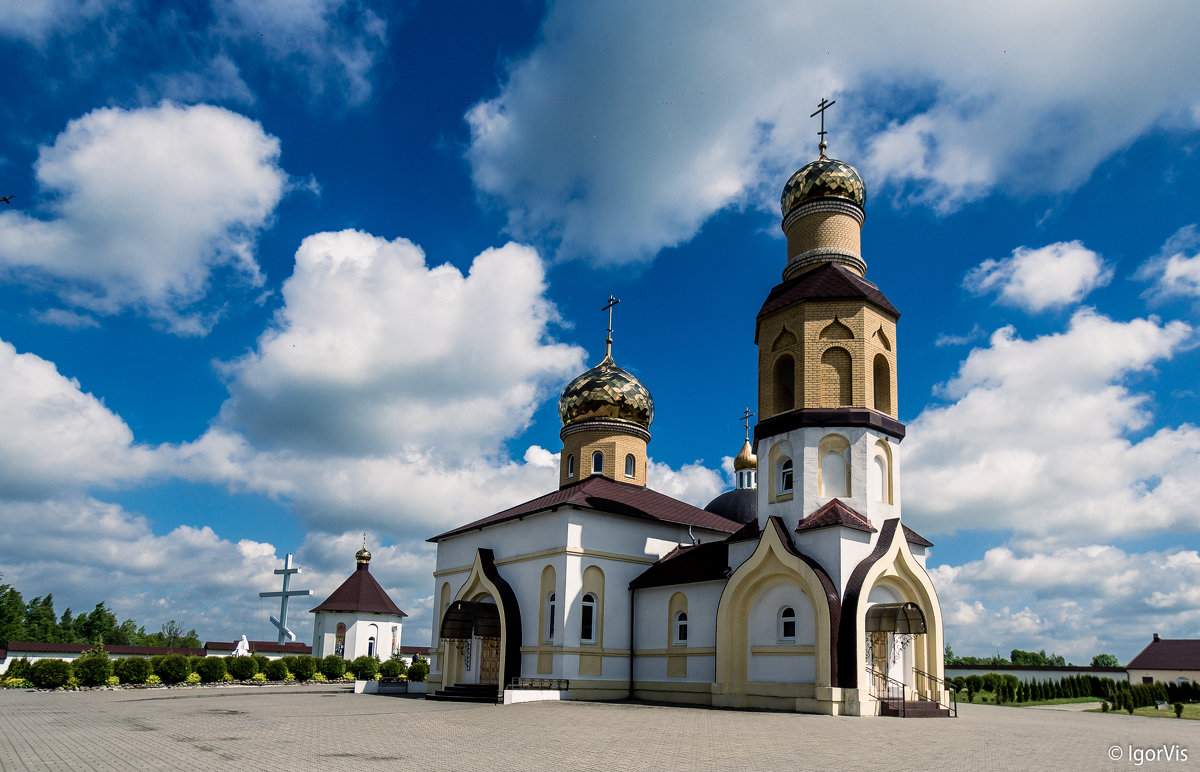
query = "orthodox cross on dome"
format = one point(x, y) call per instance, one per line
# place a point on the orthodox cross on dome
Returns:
point(281, 622)
point(364, 539)
point(745, 419)
point(823, 105)
point(612, 301)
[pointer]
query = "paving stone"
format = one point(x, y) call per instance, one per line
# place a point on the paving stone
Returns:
point(331, 728)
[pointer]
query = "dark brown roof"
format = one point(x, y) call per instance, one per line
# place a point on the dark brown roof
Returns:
point(686, 564)
point(835, 513)
point(262, 647)
point(826, 282)
point(1166, 654)
point(414, 649)
point(604, 495)
point(912, 537)
point(360, 593)
point(79, 648)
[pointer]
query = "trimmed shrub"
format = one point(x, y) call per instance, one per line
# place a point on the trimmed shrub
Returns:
point(1178, 710)
point(172, 669)
point(241, 668)
point(94, 668)
point(211, 669)
point(364, 668)
point(18, 669)
point(260, 659)
point(1104, 706)
point(319, 677)
point(418, 670)
point(276, 670)
point(153, 680)
point(333, 667)
point(113, 681)
point(392, 669)
point(303, 667)
point(192, 678)
point(132, 670)
point(49, 673)
point(990, 681)
point(194, 662)
point(259, 678)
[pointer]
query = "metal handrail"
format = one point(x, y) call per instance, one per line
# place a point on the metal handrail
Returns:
point(949, 703)
point(884, 687)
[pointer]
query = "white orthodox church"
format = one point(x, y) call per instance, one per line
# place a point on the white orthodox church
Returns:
point(799, 590)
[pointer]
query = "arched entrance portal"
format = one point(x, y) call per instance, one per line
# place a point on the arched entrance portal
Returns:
point(891, 629)
point(471, 631)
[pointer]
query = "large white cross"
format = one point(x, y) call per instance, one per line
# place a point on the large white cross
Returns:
point(281, 622)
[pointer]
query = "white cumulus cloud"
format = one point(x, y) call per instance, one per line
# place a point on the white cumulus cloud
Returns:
point(1038, 436)
point(1052, 276)
point(1076, 601)
point(147, 208)
point(629, 124)
point(1175, 271)
point(57, 437)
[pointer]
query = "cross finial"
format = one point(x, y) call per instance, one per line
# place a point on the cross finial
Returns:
point(364, 539)
point(822, 106)
point(745, 419)
point(612, 301)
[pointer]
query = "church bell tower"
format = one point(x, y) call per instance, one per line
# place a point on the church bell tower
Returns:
point(826, 340)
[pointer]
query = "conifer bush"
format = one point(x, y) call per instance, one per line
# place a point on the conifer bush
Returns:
point(418, 670)
point(172, 669)
point(364, 668)
point(18, 669)
point(333, 667)
point(211, 669)
point(241, 668)
point(276, 670)
point(93, 668)
point(392, 669)
point(1178, 710)
point(132, 670)
point(303, 667)
point(49, 673)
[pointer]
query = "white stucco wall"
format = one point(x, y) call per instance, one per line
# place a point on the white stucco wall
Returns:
point(359, 628)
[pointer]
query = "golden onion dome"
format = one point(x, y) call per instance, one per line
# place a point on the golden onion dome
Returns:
point(362, 556)
point(606, 392)
point(823, 178)
point(745, 459)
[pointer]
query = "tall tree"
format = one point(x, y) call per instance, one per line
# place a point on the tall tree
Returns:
point(1106, 660)
point(41, 624)
point(12, 614)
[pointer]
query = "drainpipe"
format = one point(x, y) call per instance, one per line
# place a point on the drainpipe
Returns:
point(631, 641)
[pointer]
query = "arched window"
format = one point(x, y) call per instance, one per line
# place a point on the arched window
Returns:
point(836, 385)
point(597, 462)
point(681, 628)
point(550, 605)
point(587, 626)
point(371, 646)
point(833, 474)
point(630, 465)
point(570, 466)
point(833, 477)
point(784, 380)
point(785, 476)
point(883, 384)
point(787, 624)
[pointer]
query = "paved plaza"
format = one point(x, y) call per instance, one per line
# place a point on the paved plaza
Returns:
point(328, 727)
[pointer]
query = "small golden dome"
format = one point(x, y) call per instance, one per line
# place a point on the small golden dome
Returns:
point(606, 392)
point(823, 178)
point(363, 556)
point(745, 459)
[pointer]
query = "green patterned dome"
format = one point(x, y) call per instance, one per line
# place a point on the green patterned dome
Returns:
point(606, 392)
point(823, 178)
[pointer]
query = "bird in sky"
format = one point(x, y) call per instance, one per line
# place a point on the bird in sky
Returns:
point(6, 199)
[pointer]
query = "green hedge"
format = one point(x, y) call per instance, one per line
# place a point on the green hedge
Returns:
point(93, 668)
point(242, 668)
point(211, 669)
point(132, 670)
point(172, 668)
point(49, 673)
point(333, 667)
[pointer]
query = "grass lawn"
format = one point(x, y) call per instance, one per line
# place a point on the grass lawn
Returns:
point(1189, 711)
point(989, 698)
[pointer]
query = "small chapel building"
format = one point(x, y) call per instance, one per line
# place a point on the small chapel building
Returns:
point(358, 618)
point(801, 589)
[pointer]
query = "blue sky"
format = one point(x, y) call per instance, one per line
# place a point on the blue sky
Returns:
point(276, 273)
